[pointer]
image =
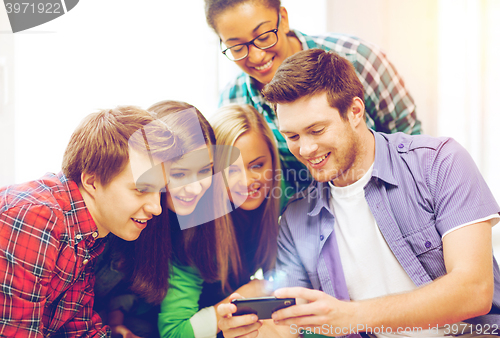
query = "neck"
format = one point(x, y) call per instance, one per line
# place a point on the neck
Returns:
point(90, 205)
point(365, 156)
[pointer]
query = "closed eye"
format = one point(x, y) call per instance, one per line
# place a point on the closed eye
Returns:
point(317, 132)
point(205, 171)
point(257, 166)
point(177, 175)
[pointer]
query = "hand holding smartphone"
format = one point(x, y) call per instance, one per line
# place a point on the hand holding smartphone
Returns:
point(263, 307)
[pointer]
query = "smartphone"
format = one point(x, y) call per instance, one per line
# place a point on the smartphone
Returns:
point(263, 307)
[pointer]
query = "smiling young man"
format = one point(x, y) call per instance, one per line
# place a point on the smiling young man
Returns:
point(395, 231)
point(51, 229)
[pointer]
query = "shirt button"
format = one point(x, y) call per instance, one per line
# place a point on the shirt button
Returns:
point(321, 237)
point(428, 244)
point(85, 261)
point(95, 234)
point(401, 145)
point(78, 236)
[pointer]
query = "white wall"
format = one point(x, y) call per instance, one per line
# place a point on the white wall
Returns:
point(106, 53)
point(6, 102)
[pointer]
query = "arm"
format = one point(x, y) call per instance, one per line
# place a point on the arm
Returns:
point(180, 303)
point(19, 283)
point(289, 272)
point(465, 291)
point(29, 257)
point(180, 315)
point(389, 106)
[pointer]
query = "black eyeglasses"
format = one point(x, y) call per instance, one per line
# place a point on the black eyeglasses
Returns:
point(263, 41)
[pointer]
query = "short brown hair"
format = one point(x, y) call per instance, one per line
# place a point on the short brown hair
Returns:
point(315, 71)
point(100, 144)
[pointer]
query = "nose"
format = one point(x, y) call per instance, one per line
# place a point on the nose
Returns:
point(153, 205)
point(251, 177)
point(307, 147)
point(255, 55)
point(193, 188)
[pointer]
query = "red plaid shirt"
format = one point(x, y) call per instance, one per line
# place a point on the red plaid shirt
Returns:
point(48, 248)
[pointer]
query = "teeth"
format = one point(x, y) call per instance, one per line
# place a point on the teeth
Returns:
point(319, 159)
point(142, 221)
point(249, 192)
point(265, 66)
point(185, 199)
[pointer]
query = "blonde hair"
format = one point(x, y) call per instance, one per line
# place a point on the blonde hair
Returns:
point(229, 123)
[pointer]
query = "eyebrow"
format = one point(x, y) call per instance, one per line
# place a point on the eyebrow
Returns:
point(253, 31)
point(305, 128)
point(256, 159)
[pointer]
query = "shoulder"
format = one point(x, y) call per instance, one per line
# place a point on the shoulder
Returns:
point(417, 144)
point(34, 204)
point(407, 143)
point(236, 90)
point(343, 44)
point(185, 272)
point(424, 156)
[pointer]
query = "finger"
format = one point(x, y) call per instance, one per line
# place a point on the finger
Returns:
point(226, 310)
point(241, 331)
point(237, 321)
point(301, 310)
point(298, 292)
point(306, 321)
point(235, 296)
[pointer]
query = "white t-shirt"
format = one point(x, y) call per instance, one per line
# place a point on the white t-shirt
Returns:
point(371, 270)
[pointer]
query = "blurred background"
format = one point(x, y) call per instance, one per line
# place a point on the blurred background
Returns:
point(116, 52)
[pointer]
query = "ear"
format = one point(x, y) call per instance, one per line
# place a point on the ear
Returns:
point(88, 182)
point(284, 24)
point(356, 112)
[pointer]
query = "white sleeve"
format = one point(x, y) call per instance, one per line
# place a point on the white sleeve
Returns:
point(204, 323)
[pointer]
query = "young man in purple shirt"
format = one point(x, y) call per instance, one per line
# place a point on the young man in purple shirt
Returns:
point(392, 239)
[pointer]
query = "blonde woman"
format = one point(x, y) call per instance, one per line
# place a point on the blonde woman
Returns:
point(251, 183)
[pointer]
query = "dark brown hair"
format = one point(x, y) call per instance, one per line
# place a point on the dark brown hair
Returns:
point(215, 7)
point(210, 247)
point(100, 144)
point(315, 71)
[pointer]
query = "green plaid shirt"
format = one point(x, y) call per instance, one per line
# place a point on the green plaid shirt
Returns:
point(389, 106)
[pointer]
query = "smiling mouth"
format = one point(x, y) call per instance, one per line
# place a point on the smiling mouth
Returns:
point(185, 199)
point(250, 193)
point(318, 160)
point(141, 221)
point(265, 66)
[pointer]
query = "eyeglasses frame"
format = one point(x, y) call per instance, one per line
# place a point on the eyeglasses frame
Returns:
point(252, 42)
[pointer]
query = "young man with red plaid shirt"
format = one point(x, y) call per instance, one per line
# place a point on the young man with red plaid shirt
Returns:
point(52, 229)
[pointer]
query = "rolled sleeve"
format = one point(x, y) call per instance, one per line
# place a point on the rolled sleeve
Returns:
point(461, 195)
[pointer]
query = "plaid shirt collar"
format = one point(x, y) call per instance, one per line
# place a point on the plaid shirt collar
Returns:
point(81, 225)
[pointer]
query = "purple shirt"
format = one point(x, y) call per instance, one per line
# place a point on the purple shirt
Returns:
point(420, 188)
